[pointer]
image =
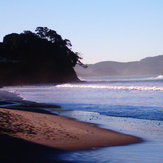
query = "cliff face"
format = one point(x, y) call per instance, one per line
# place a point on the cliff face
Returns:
point(20, 74)
point(30, 58)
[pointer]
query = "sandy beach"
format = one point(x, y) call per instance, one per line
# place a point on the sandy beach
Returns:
point(58, 132)
point(29, 133)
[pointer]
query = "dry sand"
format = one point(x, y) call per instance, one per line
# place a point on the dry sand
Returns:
point(58, 132)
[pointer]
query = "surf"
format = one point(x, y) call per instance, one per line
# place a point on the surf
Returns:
point(112, 87)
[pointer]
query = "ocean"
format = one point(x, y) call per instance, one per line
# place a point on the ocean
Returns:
point(131, 105)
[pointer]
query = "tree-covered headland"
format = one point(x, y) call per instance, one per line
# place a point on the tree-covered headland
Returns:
point(36, 57)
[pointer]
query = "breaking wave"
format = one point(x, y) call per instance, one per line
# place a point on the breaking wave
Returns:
point(139, 88)
point(158, 77)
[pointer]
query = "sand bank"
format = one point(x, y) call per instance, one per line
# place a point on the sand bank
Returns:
point(58, 132)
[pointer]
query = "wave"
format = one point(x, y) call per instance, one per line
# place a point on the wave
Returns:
point(139, 88)
point(88, 116)
point(159, 77)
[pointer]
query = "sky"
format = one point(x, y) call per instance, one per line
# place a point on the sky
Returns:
point(100, 30)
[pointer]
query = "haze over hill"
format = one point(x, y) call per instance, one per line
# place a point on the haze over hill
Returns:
point(146, 66)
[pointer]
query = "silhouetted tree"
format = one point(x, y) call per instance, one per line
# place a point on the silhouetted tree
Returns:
point(42, 54)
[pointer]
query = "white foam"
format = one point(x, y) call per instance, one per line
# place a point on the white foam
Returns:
point(159, 77)
point(139, 127)
point(139, 88)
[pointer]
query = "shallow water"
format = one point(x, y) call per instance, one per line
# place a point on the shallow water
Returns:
point(128, 105)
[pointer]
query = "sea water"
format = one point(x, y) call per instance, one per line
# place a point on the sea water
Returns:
point(128, 105)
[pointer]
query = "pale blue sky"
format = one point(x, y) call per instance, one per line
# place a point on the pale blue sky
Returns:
point(118, 30)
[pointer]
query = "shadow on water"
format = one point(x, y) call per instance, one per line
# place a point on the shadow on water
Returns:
point(28, 106)
point(14, 150)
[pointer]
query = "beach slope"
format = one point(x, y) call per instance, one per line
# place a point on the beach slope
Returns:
point(58, 132)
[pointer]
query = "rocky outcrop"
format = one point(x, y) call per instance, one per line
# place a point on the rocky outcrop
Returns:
point(34, 58)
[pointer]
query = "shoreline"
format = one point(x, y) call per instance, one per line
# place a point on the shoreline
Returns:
point(32, 129)
point(59, 132)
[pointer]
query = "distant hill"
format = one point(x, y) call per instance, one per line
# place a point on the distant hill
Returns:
point(146, 66)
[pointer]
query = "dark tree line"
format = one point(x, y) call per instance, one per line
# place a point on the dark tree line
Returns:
point(37, 57)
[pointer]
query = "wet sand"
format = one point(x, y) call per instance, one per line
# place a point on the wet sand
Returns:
point(58, 132)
